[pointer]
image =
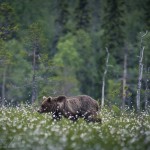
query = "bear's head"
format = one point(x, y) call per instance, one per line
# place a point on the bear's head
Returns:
point(52, 104)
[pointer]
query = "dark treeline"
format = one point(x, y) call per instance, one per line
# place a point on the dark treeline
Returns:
point(58, 47)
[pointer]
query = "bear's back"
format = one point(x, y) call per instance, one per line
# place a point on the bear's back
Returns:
point(83, 103)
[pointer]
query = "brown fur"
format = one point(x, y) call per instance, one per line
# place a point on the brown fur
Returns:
point(71, 107)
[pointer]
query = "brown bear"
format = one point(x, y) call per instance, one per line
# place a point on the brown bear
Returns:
point(71, 107)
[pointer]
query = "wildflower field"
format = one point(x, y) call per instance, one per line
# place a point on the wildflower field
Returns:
point(24, 128)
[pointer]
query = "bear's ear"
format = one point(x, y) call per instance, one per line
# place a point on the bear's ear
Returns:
point(49, 99)
point(44, 97)
point(61, 98)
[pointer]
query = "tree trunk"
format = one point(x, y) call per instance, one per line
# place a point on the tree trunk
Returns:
point(124, 80)
point(139, 81)
point(146, 94)
point(3, 87)
point(104, 75)
point(140, 74)
point(33, 77)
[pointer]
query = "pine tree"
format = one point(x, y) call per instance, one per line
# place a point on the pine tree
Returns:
point(8, 28)
point(35, 43)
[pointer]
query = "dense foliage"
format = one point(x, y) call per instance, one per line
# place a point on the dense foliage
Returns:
point(23, 128)
point(58, 47)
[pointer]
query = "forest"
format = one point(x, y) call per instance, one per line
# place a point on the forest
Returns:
point(99, 48)
point(94, 47)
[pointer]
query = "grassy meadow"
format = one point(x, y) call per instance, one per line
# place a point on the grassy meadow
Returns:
point(23, 128)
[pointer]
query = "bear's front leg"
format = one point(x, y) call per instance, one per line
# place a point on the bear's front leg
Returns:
point(56, 115)
point(73, 118)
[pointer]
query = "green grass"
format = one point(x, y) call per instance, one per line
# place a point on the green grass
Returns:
point(24, 128)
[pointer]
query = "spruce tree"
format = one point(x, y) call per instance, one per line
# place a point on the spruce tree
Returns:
point(113, 23)
point(62, 17)
point(114, 39)
point(82, 17)
point(87, 71)
point(147, 15)
point(8, 24)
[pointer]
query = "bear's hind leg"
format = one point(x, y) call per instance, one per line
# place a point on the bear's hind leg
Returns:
point(91, 117)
